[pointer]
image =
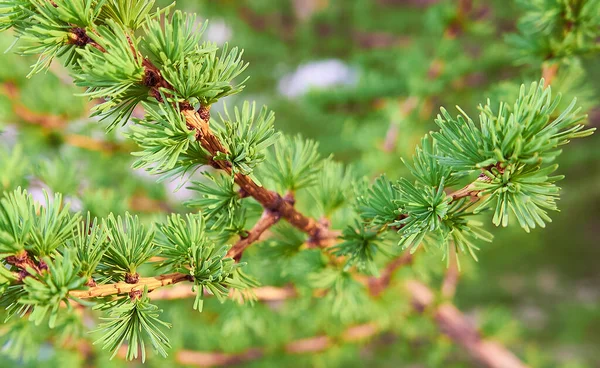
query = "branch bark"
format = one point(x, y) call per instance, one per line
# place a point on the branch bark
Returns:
point(267, 220)
point(272, 201)
point(125, 288)
point(199, 121)
point(549, 71)
point(391, 137)
point(452, 275)
point(314, 344)
point(459, 329)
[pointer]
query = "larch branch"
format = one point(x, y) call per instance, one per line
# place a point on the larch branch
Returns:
point(549, 71)
point(313, 344)
point(377, 285)
point(123, 288)
point(267, 220)
point(452, 275)
point(406, 108)
point(199, 121)
point(270, 200)
point(459, 329)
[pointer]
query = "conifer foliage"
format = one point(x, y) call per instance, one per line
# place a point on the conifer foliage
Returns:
point(498, 167)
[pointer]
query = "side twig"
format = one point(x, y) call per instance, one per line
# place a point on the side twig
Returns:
point(314, 344)
point(391, 137)
point(549, 71)
point(270, 200)
point(452, 275)
point(267, 220)
point(459, 329)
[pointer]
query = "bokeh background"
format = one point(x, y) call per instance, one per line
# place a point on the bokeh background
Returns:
point(365, 78)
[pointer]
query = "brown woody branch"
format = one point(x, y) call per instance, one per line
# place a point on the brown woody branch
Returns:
point(377, 285)
point(302, 346)
point(199, 120)
point(406, 108)
point(318, 232)
point(549, 71)
point(125, 288)
point(449, 319)
point(267, 220)
point(262, 293)
point(452, 275)
point(459, 329)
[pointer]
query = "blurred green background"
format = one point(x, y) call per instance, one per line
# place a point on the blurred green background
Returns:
point(338, 71)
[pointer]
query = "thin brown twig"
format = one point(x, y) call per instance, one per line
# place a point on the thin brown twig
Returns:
point(459, 329)
point(377, 285)
point(48, 121)
point(452, 275)
point(319, 234)
point(262, 293)
point(549, 71)
point(199, 121)
point(313, 344)
point(406, 107)
point(267, 220)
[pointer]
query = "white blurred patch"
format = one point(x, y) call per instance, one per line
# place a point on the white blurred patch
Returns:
point(8, 135)
point(218, 31)
point(38, 192)
point(177, 190)
point(75, 204)
point(317, 75)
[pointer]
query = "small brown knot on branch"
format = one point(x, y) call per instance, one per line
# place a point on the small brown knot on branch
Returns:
point(132, 278)
point(268, 219)
point(218, 165)
point(78, 36)
point(42, 266)
point(23, 262)
point(322, 236)
point(204, 112)
point(91, 282)
point(289, 198)
point(398, 227)
point(470, 189)
point(135, 295)
point(154, 80)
